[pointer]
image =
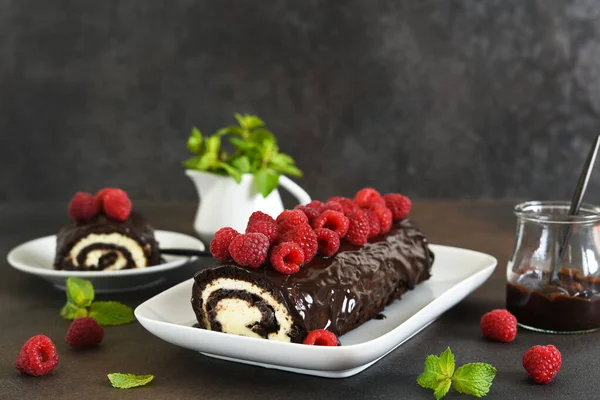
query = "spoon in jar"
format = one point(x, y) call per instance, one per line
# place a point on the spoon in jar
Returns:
point(576, 201)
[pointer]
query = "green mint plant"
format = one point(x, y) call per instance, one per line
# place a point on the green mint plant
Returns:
point(80, 303)
point(255, 152)
point(474, 379)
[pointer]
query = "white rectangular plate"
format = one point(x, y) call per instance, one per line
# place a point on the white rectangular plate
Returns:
point(455, 274)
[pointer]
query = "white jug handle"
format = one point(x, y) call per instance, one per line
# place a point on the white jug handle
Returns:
point(296, 191)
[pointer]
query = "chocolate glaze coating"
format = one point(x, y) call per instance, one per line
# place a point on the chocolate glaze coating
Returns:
point(341, 292)
point(134, 227)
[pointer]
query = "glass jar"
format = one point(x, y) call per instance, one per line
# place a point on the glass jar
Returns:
point(553, 275)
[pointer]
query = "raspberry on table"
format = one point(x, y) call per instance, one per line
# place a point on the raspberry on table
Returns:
point(305, 237)
point(385, 218)
point(250, 249)
point(83, 206)
point(84, 332)
point(542, 363)
point(321, 337)
point(333, 205)
point(260, 216)
point(328, 241)
point(373, 224)
point(116, 204)
point(317, 205)
point(348, 205)
point(289, 219)
point(219, 245)
point(269, 229)
point(311, 213)
point(38, 356)
point(364, 197)
point(398, 204)
point(287, 257)
point(499, 325)
point(334, 220)
point(358, 229)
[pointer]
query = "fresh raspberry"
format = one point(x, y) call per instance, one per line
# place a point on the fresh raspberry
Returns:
point(542, 363)
point(269, 229)
point(385, 218)
point(84, 332)
point(321, 337)
point(334, 220)
point(305, 237)
point(289, 219)
point(249, 250)
point(287, 257)
point(260, 216)
point(499, 325)
point(117, 204)
point(364, 197)
point(311, 213)
point(358, 230)
point(38, 356)
point(348, 205)
point(328, 241)
point(375, 226)
point(333, 205)
point(219, 245)
point(398, 204)
point(83, 206)
point(317, 205)
point(99, 196)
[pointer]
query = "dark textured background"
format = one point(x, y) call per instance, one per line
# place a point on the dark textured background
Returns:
point(444, 98)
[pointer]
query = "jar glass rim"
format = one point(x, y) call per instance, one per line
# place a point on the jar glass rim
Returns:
point(539, 211)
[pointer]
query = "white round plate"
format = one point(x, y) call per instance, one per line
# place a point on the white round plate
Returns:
point(37, 257)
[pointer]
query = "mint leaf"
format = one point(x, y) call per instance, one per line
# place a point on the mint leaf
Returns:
point(286, 169)
point(242, 164)
point(71, 311)
point(109, 313)
point(248, 121)
point(474, 379)
point(127, 381)
point(242, 145)
point(266, 181)
point(80, 292)
point(194, 143)
point(231, 171)
point(438, 373)
point(282, 159)
point(192, 162)
point(207, 161)
point(213, 144)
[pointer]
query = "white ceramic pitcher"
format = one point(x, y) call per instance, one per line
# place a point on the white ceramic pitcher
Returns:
point(224, 202)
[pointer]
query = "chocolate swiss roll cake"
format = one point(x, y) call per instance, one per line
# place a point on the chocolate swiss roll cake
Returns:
point(338, 293)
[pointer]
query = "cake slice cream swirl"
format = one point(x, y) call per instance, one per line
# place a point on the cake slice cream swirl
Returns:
point(111, 251)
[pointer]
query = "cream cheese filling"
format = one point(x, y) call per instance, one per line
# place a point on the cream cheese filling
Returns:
point(237, 309)
point(116, 239)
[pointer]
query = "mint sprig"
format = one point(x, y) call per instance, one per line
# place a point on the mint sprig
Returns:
point(474, 379)
point(255, 151)
point(128, 381)
point(80, 303)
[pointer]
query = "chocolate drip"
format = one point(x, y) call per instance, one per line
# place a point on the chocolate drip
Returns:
point(134, 227)
point(341, 292)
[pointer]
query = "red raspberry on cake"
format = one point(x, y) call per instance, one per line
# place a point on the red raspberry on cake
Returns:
point(305, 237)
point(334, 220)
point(258, 216)
point(250, 249)
point(333, 205)
point(219, 245)
point(328, 241)
point(38, 356)
point(399, 205)
point(499, 325)
point(310, 212)
point(287, 257)
point(99, 196)
point(358, 229)
point(289, 219)
point(116, 204)
point(267, 228)
point(321, 337)
point(365, 197)
point(385, 218)
point(84, 332)
point(82, 207)
point(542, 363)
point(375, 226)
point(348, 205)
point(317, 205)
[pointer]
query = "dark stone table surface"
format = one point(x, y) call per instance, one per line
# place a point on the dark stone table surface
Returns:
point(29, 306)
